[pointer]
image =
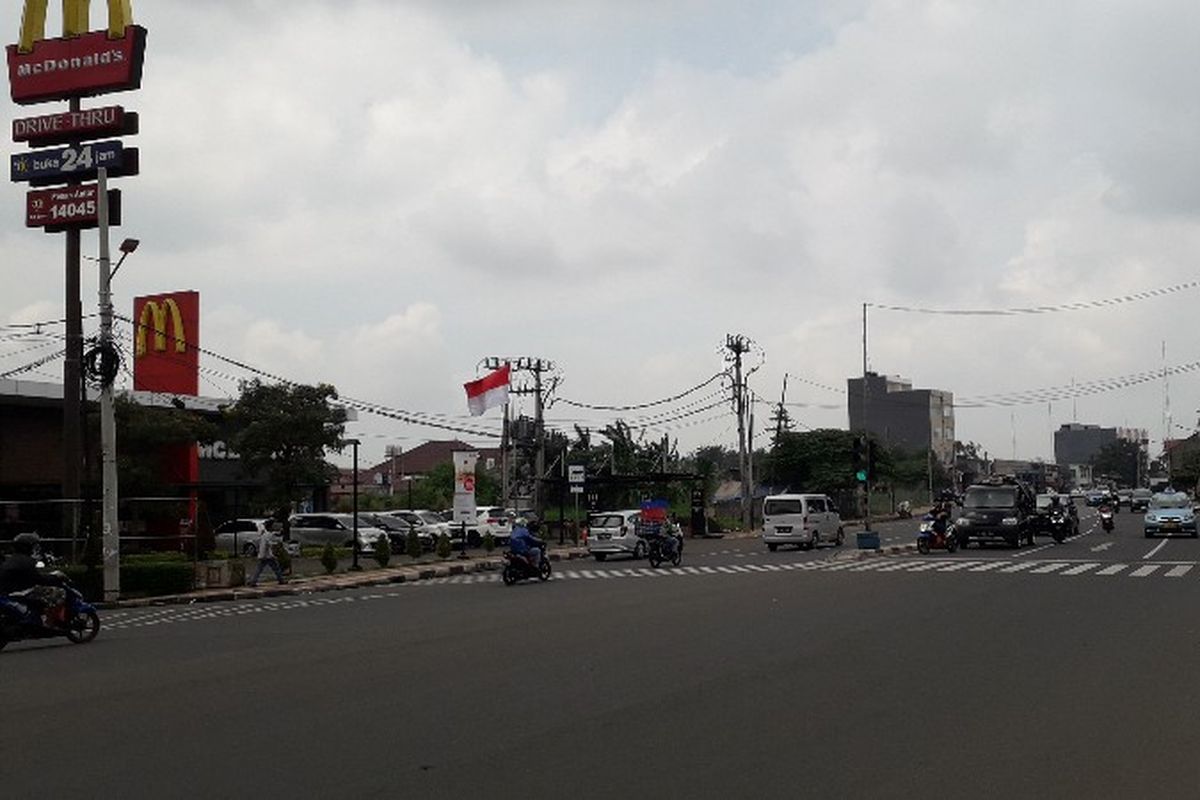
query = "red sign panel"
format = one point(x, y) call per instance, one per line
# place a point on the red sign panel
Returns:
point(74, 126)
point(166, 337)
point(70, 207)
point(59, 69)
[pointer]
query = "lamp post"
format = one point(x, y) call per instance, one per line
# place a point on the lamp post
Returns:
point(107, 369)
point(354, 443)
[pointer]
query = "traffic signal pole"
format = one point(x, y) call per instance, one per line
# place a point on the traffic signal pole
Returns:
point(866, 394)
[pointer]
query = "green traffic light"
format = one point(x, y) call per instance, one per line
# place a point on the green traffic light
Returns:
point(861, 475)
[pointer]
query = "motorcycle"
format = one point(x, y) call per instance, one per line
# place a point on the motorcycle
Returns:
point(1060, 526)
point(904, 510)
point(518, 567)
point(930, 539)
point(665, 547)
point(1106, 519)
point(74, 618)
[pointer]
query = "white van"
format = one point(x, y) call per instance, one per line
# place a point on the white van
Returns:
point(805, 520)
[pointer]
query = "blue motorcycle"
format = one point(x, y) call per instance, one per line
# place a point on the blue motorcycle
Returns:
point(21, 618)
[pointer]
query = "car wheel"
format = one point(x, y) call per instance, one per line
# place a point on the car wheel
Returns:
point(772, 546)
point(841, 538)
point(639, 551)
point(474, 539)
point(599, 556)
point(1149, 535)
point(1014, 541)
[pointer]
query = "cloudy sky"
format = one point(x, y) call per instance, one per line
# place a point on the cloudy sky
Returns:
point(380, 194)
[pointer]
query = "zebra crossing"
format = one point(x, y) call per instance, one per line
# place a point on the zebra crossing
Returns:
point(1080, 570)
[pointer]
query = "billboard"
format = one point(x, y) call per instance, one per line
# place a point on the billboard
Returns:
point(166, 338)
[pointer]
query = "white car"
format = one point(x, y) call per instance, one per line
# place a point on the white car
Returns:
point(338, 529)
point(804, 520)
point(241, 535)
point(615, 532)
point(489, 519)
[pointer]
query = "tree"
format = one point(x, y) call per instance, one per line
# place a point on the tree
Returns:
point(814, 461)
point(1121, 459)
point(282, 432)
point(146, 438)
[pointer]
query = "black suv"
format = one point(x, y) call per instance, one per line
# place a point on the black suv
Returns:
point(997, 512)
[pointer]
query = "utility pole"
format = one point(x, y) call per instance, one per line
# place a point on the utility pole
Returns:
point(536, 366)
point(73, 375)
point(110, 524)
point(738, 345)
point(539, 437)
point(866, 397)
point(781, 414)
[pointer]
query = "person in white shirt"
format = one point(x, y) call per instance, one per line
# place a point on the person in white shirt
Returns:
point(266, 557)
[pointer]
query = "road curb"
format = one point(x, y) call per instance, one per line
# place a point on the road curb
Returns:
point(890, 550)
point(332, 583)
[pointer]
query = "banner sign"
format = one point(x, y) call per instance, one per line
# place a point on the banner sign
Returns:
point(45, 167)
point(166, 339)
point(79, 66)
point(75, 126)
point(464, 486)
point(70, 207)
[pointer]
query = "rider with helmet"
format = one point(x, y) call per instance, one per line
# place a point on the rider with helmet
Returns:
point(523, 543)
point(21, 577)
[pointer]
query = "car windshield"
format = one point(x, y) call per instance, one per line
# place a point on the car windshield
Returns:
point(429, 517)
point(1047, 500)
point(774, 507)
point(1178, 500)
point(1142, 494)
point(606, 521)
point(990, 498)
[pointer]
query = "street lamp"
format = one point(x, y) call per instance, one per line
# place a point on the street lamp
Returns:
point(354, 443)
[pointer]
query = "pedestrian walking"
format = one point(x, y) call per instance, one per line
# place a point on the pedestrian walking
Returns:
point(266, 558)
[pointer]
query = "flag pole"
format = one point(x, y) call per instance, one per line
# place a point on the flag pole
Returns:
point(504, 459)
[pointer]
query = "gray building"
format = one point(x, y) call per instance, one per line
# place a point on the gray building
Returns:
point(1078, 444)
point(901, 416)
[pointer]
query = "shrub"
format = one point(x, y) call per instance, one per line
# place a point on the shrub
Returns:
point(489, 542)
point(412, 545)
point(329, 559)
point(443, 546)
point(382, 551)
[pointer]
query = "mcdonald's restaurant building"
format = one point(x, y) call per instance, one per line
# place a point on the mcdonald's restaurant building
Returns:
point(31, 462)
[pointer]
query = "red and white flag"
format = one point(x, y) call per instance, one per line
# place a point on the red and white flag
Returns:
point(489, 391)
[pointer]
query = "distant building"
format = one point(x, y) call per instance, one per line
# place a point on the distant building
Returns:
point(393, 475)
point(1079, 444)
point(901, 416)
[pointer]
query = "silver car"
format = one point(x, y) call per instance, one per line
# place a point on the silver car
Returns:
point(240, 536)
point(336, 529)
point(615, 532)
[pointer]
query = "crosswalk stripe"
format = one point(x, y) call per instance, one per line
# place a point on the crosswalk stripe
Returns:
point(927, 565)
point(1079, 570)
point(959, 565)
point(1180, 571)
point(1113, 570)
point(989, 566)
point(1018, 567)
point(894, 567)
point(1047, 568)
point(1142, 572)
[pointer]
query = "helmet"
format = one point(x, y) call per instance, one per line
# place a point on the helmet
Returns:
point(520, 522)
point(26, 543)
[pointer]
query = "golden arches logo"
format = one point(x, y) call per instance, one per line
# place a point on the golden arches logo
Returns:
point(75, 20)
point(154, 318)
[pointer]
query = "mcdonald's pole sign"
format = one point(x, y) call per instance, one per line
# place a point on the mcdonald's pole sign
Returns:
point(166, 338)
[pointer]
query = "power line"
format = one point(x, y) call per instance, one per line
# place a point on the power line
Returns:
point(1008, 312)
point(638, 406)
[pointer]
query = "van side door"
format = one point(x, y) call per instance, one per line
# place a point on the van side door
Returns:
point(816, 517)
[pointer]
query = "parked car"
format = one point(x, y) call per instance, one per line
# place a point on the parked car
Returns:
point(240, 536)
point(615, 533)
point(397, 530)
point(805, 520)
point(489, 519)
point(338, 529)
point(1170, 513)
point(429, 525)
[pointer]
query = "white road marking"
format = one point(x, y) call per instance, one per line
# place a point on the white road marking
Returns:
point(989, 566)
point(1113, 570)
point(1102, 547)
point(1180, 571)
point(1157, 547)
point(1142, 572)
point(1079, 570)
point(960, 565)
point(1019, 567)
point(1047, 568)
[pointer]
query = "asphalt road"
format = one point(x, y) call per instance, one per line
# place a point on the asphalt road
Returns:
point(744, 673)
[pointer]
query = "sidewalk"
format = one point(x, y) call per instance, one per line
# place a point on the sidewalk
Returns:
point(368, 576)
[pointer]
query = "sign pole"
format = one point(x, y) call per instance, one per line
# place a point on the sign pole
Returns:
point(108, 424)
point(73, 383)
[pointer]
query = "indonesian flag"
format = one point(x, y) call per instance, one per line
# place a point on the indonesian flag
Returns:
point(489, 391)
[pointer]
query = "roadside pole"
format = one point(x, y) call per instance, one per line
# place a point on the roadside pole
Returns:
point(110, 527)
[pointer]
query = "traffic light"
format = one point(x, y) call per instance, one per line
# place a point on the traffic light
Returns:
point(872, 460)
point(860, 468)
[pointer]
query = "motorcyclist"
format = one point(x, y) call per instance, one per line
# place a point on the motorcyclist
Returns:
point(20, 577)
point(523, 543)
point(941, 518)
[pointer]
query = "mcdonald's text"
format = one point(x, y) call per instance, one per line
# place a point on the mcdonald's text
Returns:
point(91, 64)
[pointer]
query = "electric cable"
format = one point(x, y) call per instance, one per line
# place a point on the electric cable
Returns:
point(1006, 312)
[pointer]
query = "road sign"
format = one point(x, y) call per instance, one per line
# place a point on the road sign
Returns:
point(576, 474)
point(577, 489)
point(73, 162)
point(69, 207)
